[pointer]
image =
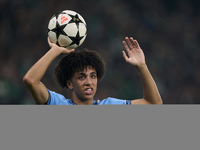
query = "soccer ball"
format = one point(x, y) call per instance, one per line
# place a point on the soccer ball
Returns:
point(67, 29)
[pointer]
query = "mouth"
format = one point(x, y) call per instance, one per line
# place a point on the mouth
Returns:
point(88, 90)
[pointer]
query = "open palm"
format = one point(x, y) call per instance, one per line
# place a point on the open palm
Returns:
point(135, 54)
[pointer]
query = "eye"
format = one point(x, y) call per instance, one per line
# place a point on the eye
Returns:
point(93, 76)
point(81, 77)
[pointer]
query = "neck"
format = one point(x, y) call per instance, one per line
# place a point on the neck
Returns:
point(80, 101)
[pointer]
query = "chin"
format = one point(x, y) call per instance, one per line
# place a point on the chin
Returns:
point(87, 98)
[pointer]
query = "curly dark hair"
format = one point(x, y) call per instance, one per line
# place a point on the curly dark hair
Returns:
point(77, 61)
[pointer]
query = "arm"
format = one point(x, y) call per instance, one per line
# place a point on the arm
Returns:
point(36, 72)
point(136, 58)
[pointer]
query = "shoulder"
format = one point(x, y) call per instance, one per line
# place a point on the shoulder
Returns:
point(57, 99)
point(114, 101)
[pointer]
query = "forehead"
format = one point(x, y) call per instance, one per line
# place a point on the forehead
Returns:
point(86, 70)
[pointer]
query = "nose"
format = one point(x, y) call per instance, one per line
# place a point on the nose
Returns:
point(88, 81)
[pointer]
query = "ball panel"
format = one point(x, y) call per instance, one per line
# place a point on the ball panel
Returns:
point(52, 36)
point(63, 19)
point(71, 29)
point(52, 23)
point(81, 18)
point(70, 12)
point(64, 41)
point(73, 46)
point(82, 40)
point(82, 29)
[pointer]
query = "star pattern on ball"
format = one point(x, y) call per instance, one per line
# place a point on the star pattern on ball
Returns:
point(59, 28)
point(75, 19)
point(76, 40)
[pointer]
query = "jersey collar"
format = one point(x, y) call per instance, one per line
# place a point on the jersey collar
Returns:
point(72, 103)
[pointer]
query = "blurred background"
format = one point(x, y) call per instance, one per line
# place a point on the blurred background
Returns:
point(168, 31)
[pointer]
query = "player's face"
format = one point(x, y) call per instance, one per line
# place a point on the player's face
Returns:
point(84, 84)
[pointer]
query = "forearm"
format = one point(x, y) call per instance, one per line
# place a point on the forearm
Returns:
point(37, 71)
point(151, 93)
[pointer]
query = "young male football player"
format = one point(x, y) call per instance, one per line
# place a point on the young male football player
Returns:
point(81, 70)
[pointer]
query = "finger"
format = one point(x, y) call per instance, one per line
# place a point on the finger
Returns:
point(48, 39)
point(135, 43)
point(129, 43)
point(124, 55)
point(49, 42)
point(66, 50)
point(126, 47)
point(71, 50)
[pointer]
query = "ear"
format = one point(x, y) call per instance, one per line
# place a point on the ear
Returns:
point(69, 84)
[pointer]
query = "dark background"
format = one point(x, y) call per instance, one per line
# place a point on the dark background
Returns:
point(167, 31)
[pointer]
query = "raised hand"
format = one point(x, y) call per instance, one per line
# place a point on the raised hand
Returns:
point(61, 49)
point(135, 54)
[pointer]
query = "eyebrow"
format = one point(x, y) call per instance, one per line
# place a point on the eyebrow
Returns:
point(84, 74)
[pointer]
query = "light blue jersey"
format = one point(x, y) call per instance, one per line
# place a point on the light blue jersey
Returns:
point(58, 99)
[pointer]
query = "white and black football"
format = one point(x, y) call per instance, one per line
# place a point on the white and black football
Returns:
point(67, 29)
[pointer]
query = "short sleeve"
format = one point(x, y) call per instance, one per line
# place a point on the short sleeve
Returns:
point(114, 101)
point(56, 99)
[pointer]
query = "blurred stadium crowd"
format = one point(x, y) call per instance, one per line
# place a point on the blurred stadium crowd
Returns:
point(168, 31)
